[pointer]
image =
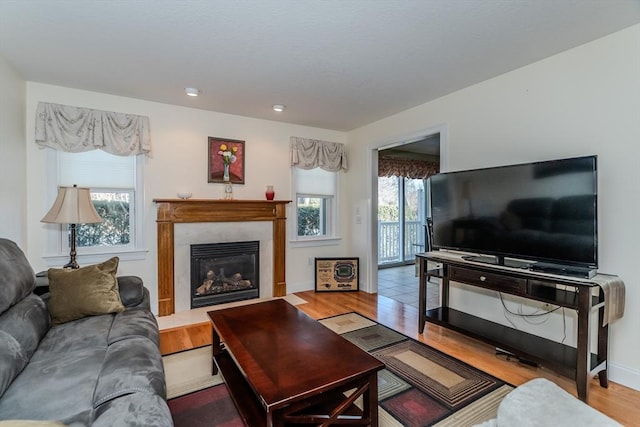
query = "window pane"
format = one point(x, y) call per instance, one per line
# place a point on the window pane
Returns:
point(312, 216)
point(414, 218)
point(388, 220)
point(388, 199)
point(115, 210)
point(315, 197)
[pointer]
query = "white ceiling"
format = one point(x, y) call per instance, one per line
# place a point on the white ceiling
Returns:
point(336, 64)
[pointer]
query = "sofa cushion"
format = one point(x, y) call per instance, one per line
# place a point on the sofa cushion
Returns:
point(28, 322)
point(67, 364)
point(136, 410)
point(18, 279)
point(89, 332)
point(133, 363)
point(96, 365)
point(130, 366)
point(134, 323)
point(21, 329)
point(55, 387)
point(87, 291)
point(12, 360)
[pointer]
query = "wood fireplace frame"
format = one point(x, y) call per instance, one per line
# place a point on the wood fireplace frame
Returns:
point(172, 211)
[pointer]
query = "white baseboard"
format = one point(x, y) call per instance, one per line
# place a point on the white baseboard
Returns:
point(299, 287)
point(626, 376)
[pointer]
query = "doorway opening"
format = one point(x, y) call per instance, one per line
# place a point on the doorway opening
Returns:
point(403, 213)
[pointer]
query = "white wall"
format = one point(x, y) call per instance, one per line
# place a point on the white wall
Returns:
point(581, 102)
point(178, 163)
point(12, 155)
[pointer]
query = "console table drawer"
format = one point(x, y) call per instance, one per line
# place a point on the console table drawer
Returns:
point(497, 282)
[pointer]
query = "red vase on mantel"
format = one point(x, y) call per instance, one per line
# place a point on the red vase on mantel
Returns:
point(270, 194)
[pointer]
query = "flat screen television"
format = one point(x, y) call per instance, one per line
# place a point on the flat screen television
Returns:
point(540, 215)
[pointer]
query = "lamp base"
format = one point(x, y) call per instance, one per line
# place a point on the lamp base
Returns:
point(73, 265)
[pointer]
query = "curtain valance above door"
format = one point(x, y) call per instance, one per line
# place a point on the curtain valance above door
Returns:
point(76, 129)
point(406, 168)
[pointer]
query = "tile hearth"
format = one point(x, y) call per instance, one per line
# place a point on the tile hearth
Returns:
point(199, 315)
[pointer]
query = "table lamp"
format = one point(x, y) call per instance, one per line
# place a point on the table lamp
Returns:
point(72, 206)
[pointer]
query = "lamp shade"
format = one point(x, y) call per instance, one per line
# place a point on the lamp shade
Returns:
point(72, 206)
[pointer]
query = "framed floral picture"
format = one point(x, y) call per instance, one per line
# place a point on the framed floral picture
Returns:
point(226, 160)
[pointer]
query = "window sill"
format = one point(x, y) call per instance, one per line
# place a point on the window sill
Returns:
point(320, 241)
point(57, 261)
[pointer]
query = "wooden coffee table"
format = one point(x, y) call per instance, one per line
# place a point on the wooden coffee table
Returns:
point(282, 367)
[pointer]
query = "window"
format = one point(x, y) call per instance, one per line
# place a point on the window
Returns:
point(316, 204)
point(116, 192)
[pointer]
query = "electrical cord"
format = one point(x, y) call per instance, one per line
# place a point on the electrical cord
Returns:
point(537, 314)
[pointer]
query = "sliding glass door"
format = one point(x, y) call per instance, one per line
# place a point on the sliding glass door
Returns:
point(401, 219)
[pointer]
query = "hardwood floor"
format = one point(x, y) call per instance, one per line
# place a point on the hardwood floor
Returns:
point(619, 402)
point(185, 338)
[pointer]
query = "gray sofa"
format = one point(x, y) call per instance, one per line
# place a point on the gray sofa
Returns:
point(101, 370)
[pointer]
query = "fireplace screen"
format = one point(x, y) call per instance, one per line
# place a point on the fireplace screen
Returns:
point(224, 272)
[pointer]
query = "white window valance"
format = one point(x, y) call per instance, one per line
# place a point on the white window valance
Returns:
point(313, 153)
point(76, 129)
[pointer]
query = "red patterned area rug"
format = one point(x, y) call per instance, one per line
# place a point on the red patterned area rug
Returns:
point(211, 407)
point(419, 387)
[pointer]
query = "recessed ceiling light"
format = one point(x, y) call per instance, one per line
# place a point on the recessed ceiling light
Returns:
point(279, 108)
point(192, 91)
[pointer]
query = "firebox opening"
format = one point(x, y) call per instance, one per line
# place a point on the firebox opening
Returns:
point(224, 272)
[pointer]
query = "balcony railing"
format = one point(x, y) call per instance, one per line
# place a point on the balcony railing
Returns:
point(389, 241)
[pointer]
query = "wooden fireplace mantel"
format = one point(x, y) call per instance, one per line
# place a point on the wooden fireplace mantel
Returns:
point(172, 211)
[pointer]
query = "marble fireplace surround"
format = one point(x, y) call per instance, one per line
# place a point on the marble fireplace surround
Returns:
point(178, 211)
point(219, 232)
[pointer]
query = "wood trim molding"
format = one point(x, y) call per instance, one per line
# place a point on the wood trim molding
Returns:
point(172, 211)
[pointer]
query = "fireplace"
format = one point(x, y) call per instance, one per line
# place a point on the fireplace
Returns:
point(174, 212)
point(224, 272)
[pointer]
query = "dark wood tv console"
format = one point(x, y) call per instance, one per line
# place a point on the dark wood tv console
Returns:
point(582, 295)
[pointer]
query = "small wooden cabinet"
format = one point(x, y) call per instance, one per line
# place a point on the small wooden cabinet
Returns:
point(582, 295)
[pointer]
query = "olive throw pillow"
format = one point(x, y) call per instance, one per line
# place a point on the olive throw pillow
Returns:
point(86, 291)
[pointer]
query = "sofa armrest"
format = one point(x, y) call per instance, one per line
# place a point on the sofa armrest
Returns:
point(540, 402)
point(133, 293)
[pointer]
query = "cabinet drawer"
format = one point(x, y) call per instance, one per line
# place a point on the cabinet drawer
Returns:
point(497, 282)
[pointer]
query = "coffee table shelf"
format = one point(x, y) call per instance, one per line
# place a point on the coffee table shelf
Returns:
point(243, 397)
